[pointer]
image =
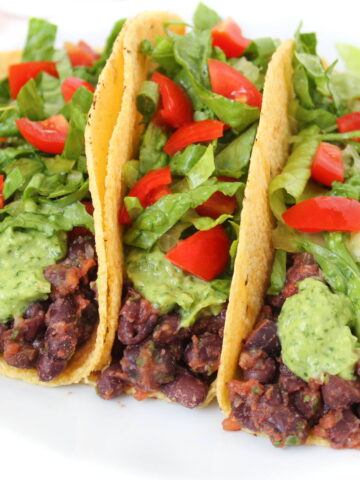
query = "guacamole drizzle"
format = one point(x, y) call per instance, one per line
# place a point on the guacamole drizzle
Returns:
point(23, 257)
point(167, 286)
point(314, 330)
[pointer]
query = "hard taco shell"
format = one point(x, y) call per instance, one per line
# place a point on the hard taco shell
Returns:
point(90, 356)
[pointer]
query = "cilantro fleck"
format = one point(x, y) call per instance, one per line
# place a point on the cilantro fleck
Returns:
point(292, 440)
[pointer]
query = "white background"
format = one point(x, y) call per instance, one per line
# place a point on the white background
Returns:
point(70, 432)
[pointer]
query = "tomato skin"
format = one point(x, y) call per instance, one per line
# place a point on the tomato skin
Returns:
point(81, 54)
point(194, 132)
point(176, 107)
point(228, 36)
point(330, 214)
point(217, 205)
point(48, 135)
point(349, 123)
point(327, 166)
point(154, 195)
point(21, 73)
point(204, 254)
point(149, 182)
point(71, 84)
point(230, 83)
point(89, 207)
point(2, 200)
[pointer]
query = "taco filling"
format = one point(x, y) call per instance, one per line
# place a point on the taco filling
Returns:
point(301, 364)
point(48, 261)
point(181, 213)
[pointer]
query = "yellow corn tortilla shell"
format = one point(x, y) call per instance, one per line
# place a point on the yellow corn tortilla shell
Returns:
point(8, 58)
point(255, 252)
point(90, 356)
point(123, 146)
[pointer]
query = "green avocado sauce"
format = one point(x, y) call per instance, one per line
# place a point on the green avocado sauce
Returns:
point(314, 330)
point(23, 257)
point(167, 286)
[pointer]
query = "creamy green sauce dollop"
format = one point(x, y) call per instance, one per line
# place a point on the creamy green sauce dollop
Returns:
point(314, 330)
point(23, 257)
point(167, 286)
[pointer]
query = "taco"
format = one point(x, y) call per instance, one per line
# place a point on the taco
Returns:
point(52, 255)
point(178, 166)
point(300, 365)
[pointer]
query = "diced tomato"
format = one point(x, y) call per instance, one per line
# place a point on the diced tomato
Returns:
point(71, 84)
point(327, 166)
point(48, 135)
point(149, 182)
point(176, 108)
point(349, 123)
point(88, 206)
point(230, 83)
point(204, 254)
point(330, 214)
point(228, 36)
point(155, 195)
point(231, 424)
point(216, 205)
point(3, 139)
point(21, 73)
point(81, 54)
point(194, 132)
point(2, 200)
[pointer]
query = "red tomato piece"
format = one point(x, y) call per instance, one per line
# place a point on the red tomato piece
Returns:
point(204, 254)
point(21, 73)
point(157, 193)
point(71, 84)
point(330, 214)
point(349, 123)
point(48, 135)
point(3, 139)
point(230, 83)
point(216, 205)
point(176, 108)
point(194, 132)
point(149, 182)
point(327, 166)
point(81, 54)
point(228, 36)
point(2, 200)
point(89, 207)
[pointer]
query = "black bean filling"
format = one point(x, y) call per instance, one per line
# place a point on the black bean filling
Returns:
point(273, 400)
point(50, 332)
point(153, 353)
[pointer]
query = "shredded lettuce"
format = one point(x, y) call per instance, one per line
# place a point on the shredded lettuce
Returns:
point(350, 55)
point(8, 115)
point(288, 186)
point(278, 273)
point(205, 18)
point(157, 219)
point(40, 41)
point(202, 169)
point(182, 162)
point(152, 155)
point(233, 160)
point(30, 103)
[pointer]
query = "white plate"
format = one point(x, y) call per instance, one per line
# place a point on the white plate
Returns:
point(53, 433)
